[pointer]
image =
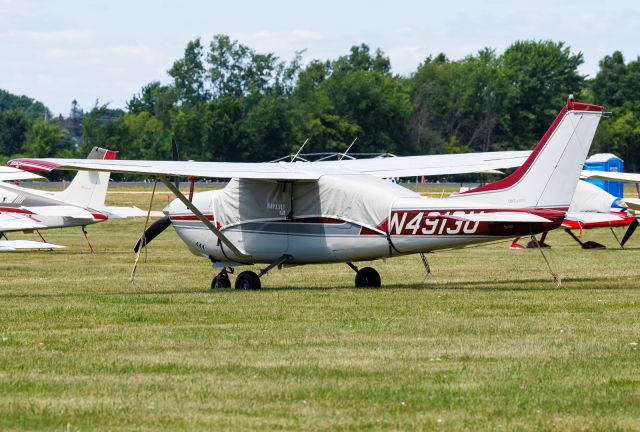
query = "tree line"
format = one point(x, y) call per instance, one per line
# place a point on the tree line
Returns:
point(228, 102)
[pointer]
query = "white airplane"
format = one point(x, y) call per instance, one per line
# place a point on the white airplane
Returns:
point(82, 203)
point(591, 207)
point(285, 214)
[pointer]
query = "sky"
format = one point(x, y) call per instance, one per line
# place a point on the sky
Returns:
point(60, 50)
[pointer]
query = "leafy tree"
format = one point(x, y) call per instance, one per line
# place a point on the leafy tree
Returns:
point(14, 127)
point(46, 139)
point(541, 75)
point(188, 74)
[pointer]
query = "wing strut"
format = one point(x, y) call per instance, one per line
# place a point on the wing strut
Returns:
point(204, 219)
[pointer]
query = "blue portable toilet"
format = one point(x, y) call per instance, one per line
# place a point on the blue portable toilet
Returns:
point(606, 162)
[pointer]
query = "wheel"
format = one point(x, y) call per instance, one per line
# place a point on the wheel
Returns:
point(221, 281)
point(247, 280)
point(367, 277)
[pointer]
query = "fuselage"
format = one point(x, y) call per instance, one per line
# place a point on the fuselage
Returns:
point(44, 209)
point(412, 225)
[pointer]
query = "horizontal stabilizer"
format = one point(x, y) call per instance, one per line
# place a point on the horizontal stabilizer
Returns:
point(12, 245)
point(497, 217)
point(127, 212)
point(13, 174)
point(592, 217)
point(18, 222)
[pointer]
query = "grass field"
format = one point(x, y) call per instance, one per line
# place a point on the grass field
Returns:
point(484, 343)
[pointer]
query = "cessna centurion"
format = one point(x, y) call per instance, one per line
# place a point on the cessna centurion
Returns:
point(283, 214)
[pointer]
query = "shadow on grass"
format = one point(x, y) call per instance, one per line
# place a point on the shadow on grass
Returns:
point(542, 284)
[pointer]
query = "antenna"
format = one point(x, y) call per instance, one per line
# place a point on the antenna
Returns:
point(348, 148)
point(294, 157)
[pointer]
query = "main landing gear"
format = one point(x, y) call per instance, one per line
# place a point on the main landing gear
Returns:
point(366, 277)
point(247, 280)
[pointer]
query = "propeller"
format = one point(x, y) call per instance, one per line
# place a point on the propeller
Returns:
point(154, 230)
point(627, 235)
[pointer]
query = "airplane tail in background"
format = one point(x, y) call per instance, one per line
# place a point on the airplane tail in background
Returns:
point(89, 188)
point(548, 178)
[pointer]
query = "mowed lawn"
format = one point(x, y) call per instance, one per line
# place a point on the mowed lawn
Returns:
point(484, 343)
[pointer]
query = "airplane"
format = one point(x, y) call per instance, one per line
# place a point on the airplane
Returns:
point(82, 203)
point(16, 175)
point(287, 214)
point(591, 207)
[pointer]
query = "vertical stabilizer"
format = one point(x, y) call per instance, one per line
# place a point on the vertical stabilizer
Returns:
point(89, 188)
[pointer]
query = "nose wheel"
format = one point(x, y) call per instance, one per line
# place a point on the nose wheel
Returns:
point(221, 280)
point(366, 277)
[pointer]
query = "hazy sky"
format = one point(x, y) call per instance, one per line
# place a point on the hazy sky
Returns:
point(57, 51)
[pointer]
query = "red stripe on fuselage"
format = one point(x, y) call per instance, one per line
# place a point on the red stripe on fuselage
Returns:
point(426, 222)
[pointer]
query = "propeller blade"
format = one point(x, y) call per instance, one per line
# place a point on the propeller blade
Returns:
point(154, 230)
point(627, 235)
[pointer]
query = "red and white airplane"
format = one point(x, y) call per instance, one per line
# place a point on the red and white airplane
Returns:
point(82, 203)
point(282, 214)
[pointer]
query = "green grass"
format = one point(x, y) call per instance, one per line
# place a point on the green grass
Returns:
point(484, 343)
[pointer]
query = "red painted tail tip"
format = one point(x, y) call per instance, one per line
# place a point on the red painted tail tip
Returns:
point(572, 105)
point(110, 155)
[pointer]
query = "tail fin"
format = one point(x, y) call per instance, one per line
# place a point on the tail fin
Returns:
point(89, 188)
point(549, 177)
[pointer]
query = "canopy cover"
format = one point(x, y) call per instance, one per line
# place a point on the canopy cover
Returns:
point(359, 198)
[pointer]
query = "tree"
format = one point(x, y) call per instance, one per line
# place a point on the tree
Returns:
point(46, 139)
point(14, 127)
point(188, 74)
point(541, 75)
point(608, 85)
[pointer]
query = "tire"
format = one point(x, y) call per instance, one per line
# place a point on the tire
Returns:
point(368, 277)
point(247, 280)
point(220, 281)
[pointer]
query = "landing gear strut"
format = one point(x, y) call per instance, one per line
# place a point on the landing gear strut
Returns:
point(366, 277)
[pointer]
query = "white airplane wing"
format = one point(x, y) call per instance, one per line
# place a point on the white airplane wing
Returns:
point(403, 166)
point(13, 174)
point(12, 245)
point(18, 222)
point(592, 217)
point(611, 175)
point(630, 203)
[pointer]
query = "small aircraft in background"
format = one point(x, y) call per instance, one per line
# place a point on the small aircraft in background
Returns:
point(287, 214)
point(592, 207)
point(82, 203)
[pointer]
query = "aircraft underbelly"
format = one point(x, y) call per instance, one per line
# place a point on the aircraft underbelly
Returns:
point(305, 243)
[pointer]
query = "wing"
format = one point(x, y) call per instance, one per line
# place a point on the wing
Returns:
point(12, 174)
point(611, 175)
point(434, 165)
point(404, 166)
point(630, 203)
point(18, 222)
point(12, 245)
